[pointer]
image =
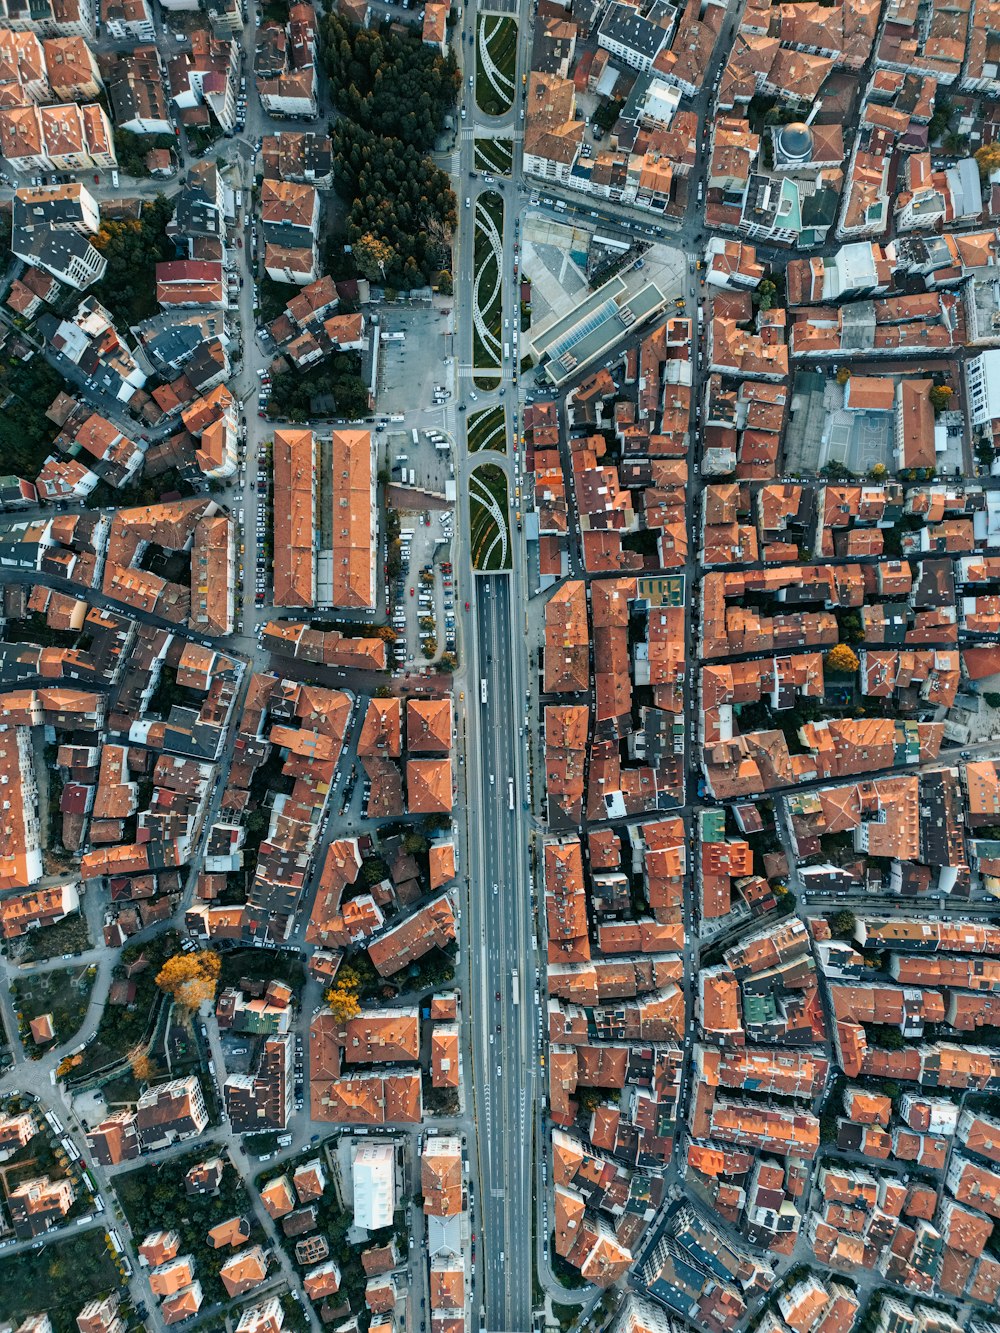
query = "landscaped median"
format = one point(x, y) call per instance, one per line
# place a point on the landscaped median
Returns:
point(488, 526)
point(495, 155)
point(487, 305)
point(496, 62)
point(488, 430)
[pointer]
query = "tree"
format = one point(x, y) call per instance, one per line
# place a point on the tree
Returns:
point(190, 978)
point(144, 1067)
point(842, 658)
point(342, 997)
point(399, 198)
point(444, 283)
point(988, 158)
point(390, 81)
point(373, 871)
point(940, 396)
point(343, 1001)
point(843, 375)
point(842, 923)
point(877, 472)
point(765, 294)
point(133, 247)
point(374, 257)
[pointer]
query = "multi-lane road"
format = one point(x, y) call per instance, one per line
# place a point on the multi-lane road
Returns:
point(502, 972)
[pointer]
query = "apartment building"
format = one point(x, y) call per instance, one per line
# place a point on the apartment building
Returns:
point(38, 1204)
point(168, 1112)
point(128, 20)
point(373, 1170)
point(553, 136)
point(263, 1100)
point(50, 229)
point(634, 38)
point(49, 18)
point(294, 569)
point(346, 572)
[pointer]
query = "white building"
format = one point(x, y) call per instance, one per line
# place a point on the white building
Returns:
point(982, 378)
point(374, 1174)
point(50, 229)
point(632, 38)
point(128, 20)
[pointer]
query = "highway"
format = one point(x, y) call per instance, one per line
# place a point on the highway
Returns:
point(501, 947)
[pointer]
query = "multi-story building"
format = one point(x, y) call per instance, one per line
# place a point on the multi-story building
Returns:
point(982, 379)
point(170, 1111)
point(63, 137)
point(263, 1100)
point(38, 1204)
point(49, 18)
point(553, 136)
point(373, 1167)
point(634, 38)
point(137, 93)
point(50, 229)
point(128, 20)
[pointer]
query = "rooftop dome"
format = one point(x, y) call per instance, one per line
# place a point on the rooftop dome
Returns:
point(795, 142)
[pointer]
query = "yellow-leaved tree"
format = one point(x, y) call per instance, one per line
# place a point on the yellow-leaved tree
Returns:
point(144, 1067)
point(842, 658)
point(342, 997)
point(190, 977)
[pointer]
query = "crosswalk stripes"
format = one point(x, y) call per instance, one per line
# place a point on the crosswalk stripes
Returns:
point(467, 372)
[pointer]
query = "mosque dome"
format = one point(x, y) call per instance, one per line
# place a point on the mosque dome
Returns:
point(795, 142)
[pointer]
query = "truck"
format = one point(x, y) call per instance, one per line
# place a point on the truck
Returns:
point(510, 793)
point(515, 987)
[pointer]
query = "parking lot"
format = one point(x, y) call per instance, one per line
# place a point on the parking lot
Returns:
point(424, 609)
point(410, 367)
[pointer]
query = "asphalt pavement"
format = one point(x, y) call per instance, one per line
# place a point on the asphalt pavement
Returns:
point(501, 945)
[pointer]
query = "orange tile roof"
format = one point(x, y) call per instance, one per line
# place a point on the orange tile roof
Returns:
point(428, 725)
point(441, 859)
point(428, 786)
point(353, 541)
point(294, 567)
point(381, 732)
point(244, 1270)
point(171, 1276)
point(441, 1175)
point(385, 1037)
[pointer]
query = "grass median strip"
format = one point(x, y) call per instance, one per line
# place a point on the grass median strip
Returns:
point(486, 342)
point(488, 527)
point(495, 155)
point(496, 59)
point(488, 430)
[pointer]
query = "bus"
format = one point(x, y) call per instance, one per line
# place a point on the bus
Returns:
point(510, 793)
point(482, 689)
